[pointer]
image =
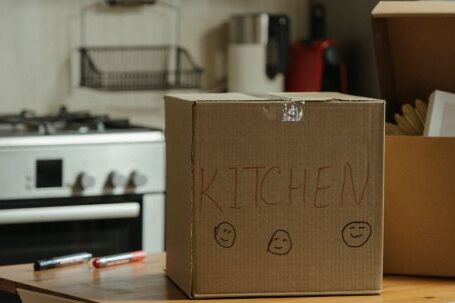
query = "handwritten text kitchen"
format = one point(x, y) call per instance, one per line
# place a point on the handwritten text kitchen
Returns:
point(240, 187)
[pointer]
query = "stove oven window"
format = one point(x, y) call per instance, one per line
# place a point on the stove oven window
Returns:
point(49, 173)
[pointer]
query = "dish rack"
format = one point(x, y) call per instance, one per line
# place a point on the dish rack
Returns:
point(138, 68)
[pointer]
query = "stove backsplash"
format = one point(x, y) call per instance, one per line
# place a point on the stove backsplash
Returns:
point(39, 55)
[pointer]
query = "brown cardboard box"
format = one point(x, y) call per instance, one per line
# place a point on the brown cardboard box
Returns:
point(415, 52)
point(274, 196)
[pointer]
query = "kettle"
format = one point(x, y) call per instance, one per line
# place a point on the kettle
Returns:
point(258, 52)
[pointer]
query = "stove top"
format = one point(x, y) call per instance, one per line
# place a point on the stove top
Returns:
point(63, 122)
point(72, 154)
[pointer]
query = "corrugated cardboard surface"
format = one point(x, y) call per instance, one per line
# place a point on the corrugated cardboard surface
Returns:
point(414, 49)
point(179, 187)
point(396, 9)
point(420, 206)
point(244, 156)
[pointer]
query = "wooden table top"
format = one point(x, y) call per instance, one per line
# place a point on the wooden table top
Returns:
point(146, 282)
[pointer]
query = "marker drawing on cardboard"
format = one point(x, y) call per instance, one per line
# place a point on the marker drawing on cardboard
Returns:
point(280, 243)
point(224, 234)
point(356, 234)
point(275, 195)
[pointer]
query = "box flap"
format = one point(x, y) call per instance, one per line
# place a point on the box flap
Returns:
point(324, 96)
point(414, 49)
point(391, 9)
point(214, 97)
point(239, 97)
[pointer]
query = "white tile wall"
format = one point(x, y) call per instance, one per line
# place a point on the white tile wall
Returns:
point(39, 38)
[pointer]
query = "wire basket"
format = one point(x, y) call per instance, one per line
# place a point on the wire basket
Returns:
point(138, 68)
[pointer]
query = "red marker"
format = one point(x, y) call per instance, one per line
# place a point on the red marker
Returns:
point(119, 259)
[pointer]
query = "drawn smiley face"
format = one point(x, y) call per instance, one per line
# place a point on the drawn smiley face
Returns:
point(356, 234)
point(224, 234)
point(280, 243)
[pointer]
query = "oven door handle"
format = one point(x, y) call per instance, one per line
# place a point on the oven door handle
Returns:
point(70, 213)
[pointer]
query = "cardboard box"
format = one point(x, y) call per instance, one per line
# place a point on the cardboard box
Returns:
point(415, 55)
point(274, 196)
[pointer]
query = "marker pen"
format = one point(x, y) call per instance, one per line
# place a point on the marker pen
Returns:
point(119, 259)
point(62, 261)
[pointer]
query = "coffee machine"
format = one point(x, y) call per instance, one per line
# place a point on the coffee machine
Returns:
point(318, 63)
point(258, 52)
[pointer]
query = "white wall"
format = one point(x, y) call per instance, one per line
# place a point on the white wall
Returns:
point(34, 44)
point(39, 39)
point(204, 29)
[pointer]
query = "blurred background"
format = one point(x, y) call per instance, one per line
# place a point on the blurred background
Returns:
point(40, 59)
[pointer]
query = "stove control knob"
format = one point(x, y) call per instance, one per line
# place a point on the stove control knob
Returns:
point(85, 181)
point(116, 180)
point(137, 179)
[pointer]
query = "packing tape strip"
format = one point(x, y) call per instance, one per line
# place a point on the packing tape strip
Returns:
point(292, 109)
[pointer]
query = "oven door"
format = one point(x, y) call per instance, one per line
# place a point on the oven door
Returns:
point(44, 228)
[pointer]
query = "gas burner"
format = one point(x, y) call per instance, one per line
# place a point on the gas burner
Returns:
point(64, 121)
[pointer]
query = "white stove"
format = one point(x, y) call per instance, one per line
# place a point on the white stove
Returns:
point(65, 165)
point(76, 154)
point(84, 174)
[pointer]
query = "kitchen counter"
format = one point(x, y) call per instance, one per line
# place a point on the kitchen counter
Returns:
point(146, 282)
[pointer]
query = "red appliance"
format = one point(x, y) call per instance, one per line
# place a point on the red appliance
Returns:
point(317, 64)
